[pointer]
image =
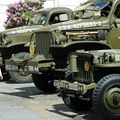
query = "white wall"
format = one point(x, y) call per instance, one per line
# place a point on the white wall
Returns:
point(63, 3)
point(2, 15)
point(49, 3)
point(3, 7)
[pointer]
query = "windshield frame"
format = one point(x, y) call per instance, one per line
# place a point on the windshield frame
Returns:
point(96, 12)
point(38, 18)
point(98, 6)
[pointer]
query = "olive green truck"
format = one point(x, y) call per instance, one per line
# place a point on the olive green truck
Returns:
point(16, 41)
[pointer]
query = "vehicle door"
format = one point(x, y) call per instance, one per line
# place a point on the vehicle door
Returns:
point(114, 33)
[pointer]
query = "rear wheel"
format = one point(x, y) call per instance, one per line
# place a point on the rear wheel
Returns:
point(76, 103)
point(44, 81)
point(106, 97)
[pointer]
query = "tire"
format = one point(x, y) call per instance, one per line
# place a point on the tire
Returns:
point(20, 77)
point(106, 97)
point(44, 82)
point(76, 103)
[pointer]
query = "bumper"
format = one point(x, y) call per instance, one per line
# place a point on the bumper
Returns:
point(78, 87)
point(31, 66)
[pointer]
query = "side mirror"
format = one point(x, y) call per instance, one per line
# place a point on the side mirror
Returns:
point(115, 24)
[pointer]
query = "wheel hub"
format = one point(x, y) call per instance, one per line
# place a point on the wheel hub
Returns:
point(23, 74)
point(112, 98)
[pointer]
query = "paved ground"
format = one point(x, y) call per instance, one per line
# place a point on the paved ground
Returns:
point(26, 102)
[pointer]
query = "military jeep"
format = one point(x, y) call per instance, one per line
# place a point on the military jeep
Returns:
point(93, 78)
point(16, 41)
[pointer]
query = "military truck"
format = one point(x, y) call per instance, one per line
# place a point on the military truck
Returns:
point(13, 41)
point(98, 29)
point(93, 78)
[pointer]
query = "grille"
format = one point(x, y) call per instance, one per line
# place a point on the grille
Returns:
point(43, 43)
point(82, 75)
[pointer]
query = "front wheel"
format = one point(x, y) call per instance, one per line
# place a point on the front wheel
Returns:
point(44, 81)
point(106, 97)
point(20, 77)
point(76, 103)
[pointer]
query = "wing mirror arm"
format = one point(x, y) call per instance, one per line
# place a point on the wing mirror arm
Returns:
point(115, 24)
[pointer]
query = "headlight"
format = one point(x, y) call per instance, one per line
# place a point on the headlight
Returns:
point(32, 48)
point(86, 66)
point(102, 34)
point(60, 39)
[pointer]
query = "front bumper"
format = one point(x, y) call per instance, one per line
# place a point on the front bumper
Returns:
point(78, 87)
point(31, 66)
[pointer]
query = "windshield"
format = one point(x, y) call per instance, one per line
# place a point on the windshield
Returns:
point(99, 8)
point(98, 5)
point(38, 19)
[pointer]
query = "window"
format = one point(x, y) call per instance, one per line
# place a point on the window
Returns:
point(38, 19)
point(58, 17)
point(106, 10)
point(63, 17)
point(117, 12)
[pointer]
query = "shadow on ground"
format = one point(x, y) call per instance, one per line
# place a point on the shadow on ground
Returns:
point(26, 92)
point(63, 110)
point(89, 115)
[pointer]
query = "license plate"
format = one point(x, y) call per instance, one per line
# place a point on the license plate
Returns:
point(29, 69)
point(59, 84)
point(11, 67)
point(73, 87)
point(67, 85)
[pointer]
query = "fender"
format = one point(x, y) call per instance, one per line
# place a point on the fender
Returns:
point(81, 45)
point(10, 49)
point(16, 44)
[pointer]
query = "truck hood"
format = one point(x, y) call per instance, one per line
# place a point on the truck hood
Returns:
point(22, 30)
point(82, 24)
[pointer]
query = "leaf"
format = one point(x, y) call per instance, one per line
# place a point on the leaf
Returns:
point(27, 0)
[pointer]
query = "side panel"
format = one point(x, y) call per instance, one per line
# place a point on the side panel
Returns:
point(114, 37)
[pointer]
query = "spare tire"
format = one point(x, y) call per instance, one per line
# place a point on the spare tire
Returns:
point(20, 77)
